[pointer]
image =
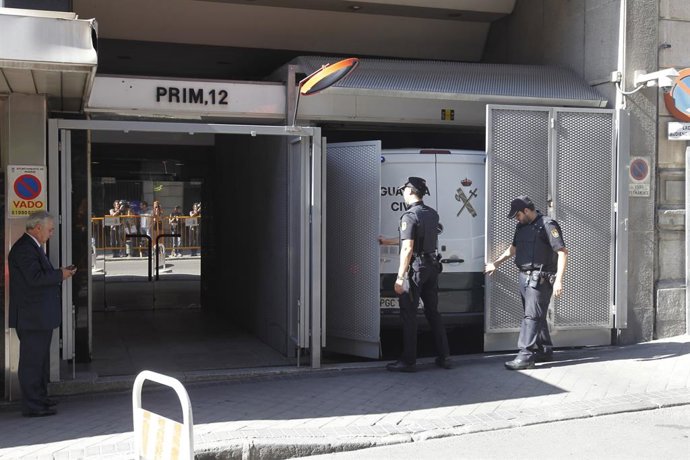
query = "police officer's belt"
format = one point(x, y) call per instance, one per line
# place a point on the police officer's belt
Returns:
point(426, 255)
point(543, 274)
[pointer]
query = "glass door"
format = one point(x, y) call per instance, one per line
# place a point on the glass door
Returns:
point(146, 245)
point(176, 234)
point(122, 263)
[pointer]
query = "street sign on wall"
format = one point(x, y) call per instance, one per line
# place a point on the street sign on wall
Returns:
point(677, 99)
point(678, 131)
point(639, 176)
point(26, 190)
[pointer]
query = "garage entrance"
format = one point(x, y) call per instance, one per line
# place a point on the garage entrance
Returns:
point(221, 282)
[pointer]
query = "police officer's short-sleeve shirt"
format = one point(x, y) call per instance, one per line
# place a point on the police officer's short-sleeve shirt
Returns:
point(537, 243)
point(408, 226)
point(551, 229)
point(420, 223)
point(554, 233)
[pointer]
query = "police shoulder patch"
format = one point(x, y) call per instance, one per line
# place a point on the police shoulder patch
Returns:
point(403, 225)
point(554, 232)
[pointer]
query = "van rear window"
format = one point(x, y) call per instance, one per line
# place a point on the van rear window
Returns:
point(434, 152)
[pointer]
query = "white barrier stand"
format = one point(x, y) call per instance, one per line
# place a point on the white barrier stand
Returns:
point(94, 259)
point(161, 259)
point(158, 437)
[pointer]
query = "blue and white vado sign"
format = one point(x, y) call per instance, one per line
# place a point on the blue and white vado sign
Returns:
point(170, 98)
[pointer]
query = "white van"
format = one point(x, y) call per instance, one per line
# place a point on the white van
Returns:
point(456, 180)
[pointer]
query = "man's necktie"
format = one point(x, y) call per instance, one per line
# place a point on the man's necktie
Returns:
point(45, 256)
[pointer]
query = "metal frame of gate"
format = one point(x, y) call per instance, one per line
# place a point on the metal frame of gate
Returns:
point(310, 310)
point(569, 161)
point(353, 173)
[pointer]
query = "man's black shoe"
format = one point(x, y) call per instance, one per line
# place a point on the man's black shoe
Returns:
point(39, 413)
point(51, 402)
point(445, 363)
point(519, 364)
point(399, 366)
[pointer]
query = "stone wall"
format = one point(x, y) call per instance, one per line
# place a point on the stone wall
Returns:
point(674, 30)
point(583, 36)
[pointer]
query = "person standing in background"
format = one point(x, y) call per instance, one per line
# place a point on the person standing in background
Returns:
point(145, 218)
point(115, 231)
point(175, 228)
point(157, 217)
point(145, 225)
point(194, 227)
point(129, 224)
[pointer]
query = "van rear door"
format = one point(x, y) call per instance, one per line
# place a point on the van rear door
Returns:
point(395, 169)
point(456, 180)
point(460, 185)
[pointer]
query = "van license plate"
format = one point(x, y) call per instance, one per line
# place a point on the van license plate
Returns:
point(389, 302)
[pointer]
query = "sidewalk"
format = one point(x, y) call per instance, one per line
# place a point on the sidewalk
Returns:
point(300, 412)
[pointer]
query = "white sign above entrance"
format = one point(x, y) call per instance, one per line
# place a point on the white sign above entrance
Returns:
point(187, 98)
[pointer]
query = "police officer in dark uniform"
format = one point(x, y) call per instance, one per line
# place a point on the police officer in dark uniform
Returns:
point(418, 276)
point(541, 256)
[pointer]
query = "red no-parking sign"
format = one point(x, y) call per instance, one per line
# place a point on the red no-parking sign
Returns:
point(639, 184)
point(26, 190)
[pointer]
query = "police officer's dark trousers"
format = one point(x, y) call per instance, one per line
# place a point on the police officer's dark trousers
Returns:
point(534, 330)
point(423, 284)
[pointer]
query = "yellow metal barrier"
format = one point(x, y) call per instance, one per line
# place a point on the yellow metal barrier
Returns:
point(109, 234)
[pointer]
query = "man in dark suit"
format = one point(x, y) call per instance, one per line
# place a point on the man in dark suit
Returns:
point(35, 310)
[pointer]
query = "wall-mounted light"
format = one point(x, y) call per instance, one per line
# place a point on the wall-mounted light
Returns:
point(323, 78)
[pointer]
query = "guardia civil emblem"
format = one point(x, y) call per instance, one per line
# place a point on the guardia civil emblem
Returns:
point(464, 199)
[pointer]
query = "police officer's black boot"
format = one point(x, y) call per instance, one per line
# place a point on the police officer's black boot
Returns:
point(544, 355)
point(444, 362)
point(519, 364)
point(400, 366)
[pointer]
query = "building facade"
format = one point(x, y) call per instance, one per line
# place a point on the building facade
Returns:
point(605, 43)
point(594, 39)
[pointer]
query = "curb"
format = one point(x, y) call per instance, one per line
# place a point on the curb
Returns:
point(294, 443)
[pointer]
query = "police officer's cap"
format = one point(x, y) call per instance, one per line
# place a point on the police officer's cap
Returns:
point(416, 183)
point(519, 203)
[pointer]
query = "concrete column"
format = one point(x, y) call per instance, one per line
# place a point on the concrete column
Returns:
point(22, 142)
point(687, 242)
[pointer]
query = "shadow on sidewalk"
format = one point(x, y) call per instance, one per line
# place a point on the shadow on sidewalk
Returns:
point(475, 381)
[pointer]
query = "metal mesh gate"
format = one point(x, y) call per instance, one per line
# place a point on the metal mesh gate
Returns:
point(584, 191)
point(517, 164)
point(564, 160)
point(353, 181)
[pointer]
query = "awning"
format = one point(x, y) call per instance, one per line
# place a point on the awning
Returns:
point(439, 92)
point(47, 52)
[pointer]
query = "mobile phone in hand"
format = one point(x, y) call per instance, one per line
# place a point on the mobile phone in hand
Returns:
point(71, 267)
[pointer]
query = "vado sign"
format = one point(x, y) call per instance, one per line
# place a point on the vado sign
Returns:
point(27, 190)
